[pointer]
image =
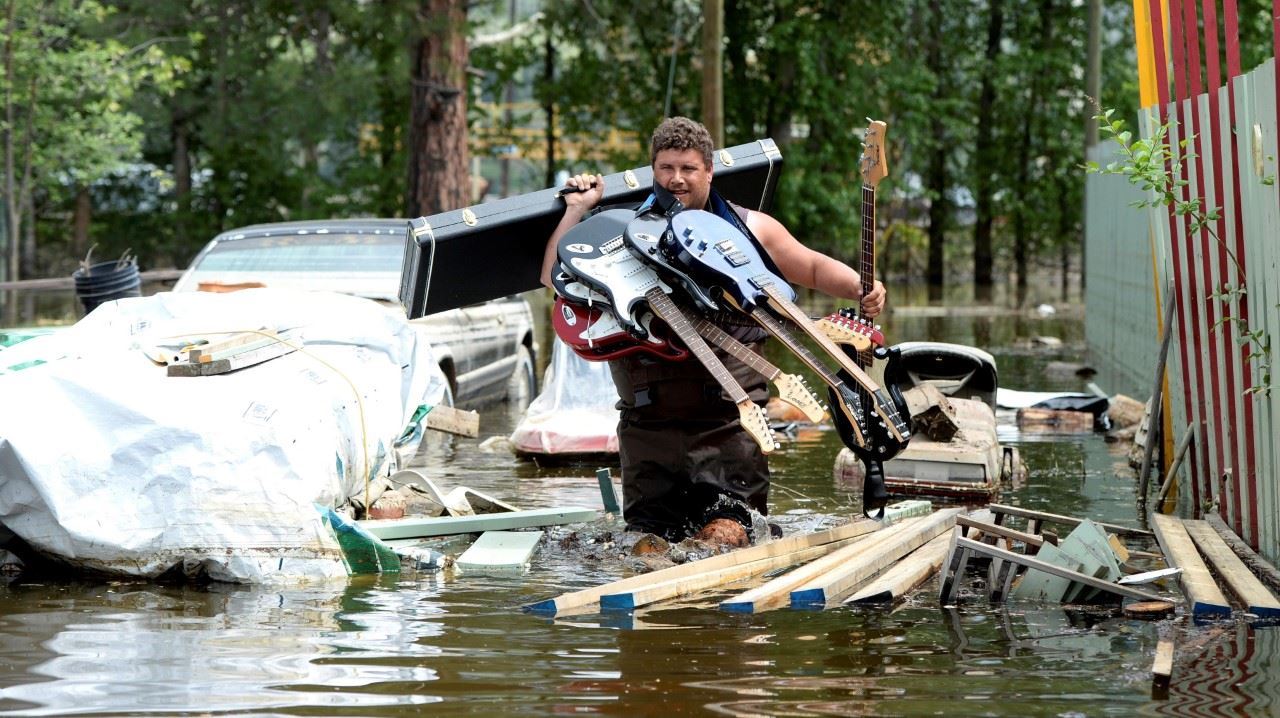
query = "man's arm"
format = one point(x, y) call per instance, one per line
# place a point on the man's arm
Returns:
point(808, 268)
point(577, 204)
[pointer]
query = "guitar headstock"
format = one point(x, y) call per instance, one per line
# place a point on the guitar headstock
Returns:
point(849, 328)
point(756, 425)
point(793, 390)
point(872, 165)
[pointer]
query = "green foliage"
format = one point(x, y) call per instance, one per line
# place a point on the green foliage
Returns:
point(1155, 165)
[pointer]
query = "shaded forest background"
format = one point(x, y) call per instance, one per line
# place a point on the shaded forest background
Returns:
point(146, 126)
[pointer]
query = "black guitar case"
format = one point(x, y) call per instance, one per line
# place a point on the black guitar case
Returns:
point(492, 250)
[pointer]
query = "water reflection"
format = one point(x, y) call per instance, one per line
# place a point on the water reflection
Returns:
point(390, 645)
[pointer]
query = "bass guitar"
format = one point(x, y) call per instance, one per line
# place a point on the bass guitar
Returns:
point(604, 264)
point(873, 167)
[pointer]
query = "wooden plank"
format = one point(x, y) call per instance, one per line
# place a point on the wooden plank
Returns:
point(687, 585)
point(1005, 510)
point(840, 580)
point(1197, 584)
point(777, 593)
point(451, 525)
point(990, 529)
point(906, 509)
point(203, 353)
point(1259, 565)
point(607, 493)
point(908, 573)
point(1034, 419)
point(982, 549)
point(1162, 665)
point(453, 421)
point(247, 359)
point(590, 596)
point(1246, 587)
point(500, 549)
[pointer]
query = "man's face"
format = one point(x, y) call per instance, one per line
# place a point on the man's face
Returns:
point(682, 173)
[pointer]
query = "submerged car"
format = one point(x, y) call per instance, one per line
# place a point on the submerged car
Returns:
point(487, 351)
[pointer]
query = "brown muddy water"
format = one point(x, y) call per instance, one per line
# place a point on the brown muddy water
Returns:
point(457, 643)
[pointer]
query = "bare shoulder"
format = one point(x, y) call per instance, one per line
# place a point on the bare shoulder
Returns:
point(771, 233)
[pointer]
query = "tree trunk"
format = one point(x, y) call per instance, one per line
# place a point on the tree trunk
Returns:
point(939, 204)
point(438, 176)
point(549, 105)
point(713, 69)
point(180, 132)
point(80, 218)
point(29, 237)
point(984, 186)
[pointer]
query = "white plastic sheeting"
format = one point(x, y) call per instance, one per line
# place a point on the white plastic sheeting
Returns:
point(109, 465)
point(575, 413)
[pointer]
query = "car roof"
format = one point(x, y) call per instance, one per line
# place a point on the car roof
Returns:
point(309, 226)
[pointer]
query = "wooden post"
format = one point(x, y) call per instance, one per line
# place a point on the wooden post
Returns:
point(1156, 404)
point(1177, 463)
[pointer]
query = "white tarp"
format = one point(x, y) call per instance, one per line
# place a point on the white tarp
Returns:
point(108, 464)
point(575, 412)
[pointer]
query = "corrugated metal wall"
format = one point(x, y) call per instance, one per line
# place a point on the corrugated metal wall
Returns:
point(1133, 254)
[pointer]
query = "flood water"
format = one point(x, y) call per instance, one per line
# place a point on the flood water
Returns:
point(457, 643)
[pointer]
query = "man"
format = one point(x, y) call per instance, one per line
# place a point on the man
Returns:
point(687, 464)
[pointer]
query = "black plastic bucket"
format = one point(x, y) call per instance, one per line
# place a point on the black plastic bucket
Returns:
point(105, 281)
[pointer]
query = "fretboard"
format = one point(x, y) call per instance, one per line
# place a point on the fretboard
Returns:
point(867, 270)
point(668, 312)
point(735, 348)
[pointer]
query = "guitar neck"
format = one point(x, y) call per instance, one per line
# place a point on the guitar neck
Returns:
point(668, 312)
point(735, 348)
point(782, 334)
point(831, 348)
point(867, 269)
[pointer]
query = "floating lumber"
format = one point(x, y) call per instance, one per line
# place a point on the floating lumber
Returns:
point(451, 525)
point(844, 578)
point(686, 585)
point(906, 509)
point(777, 593)
point(453, 421)
point(931, 412)
point(1162, 664)
point(908, 573)
point(1197, 584)
point(1035, 518)
point(1261, 568)
point(500, 549)
point(964, 547)
point(1055, 420)
point(590, 596)
point(1246, 587)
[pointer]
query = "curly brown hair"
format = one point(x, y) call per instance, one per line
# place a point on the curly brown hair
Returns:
point(681, 133)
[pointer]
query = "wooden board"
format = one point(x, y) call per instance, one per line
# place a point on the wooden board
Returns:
point(452, 525)
point(777, 593)
point(842, 579)
point(987, 528)
point(687, 585)
point(500, 549)
point(591, 596)
point(1239, 579)
point(200, 351)
point(903, 577)
point(906, 509)
point(982, 549)
point(453, 421)
point(1003, 510)
point(1162, 664)
point(1201, 590)
point(241, 360)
